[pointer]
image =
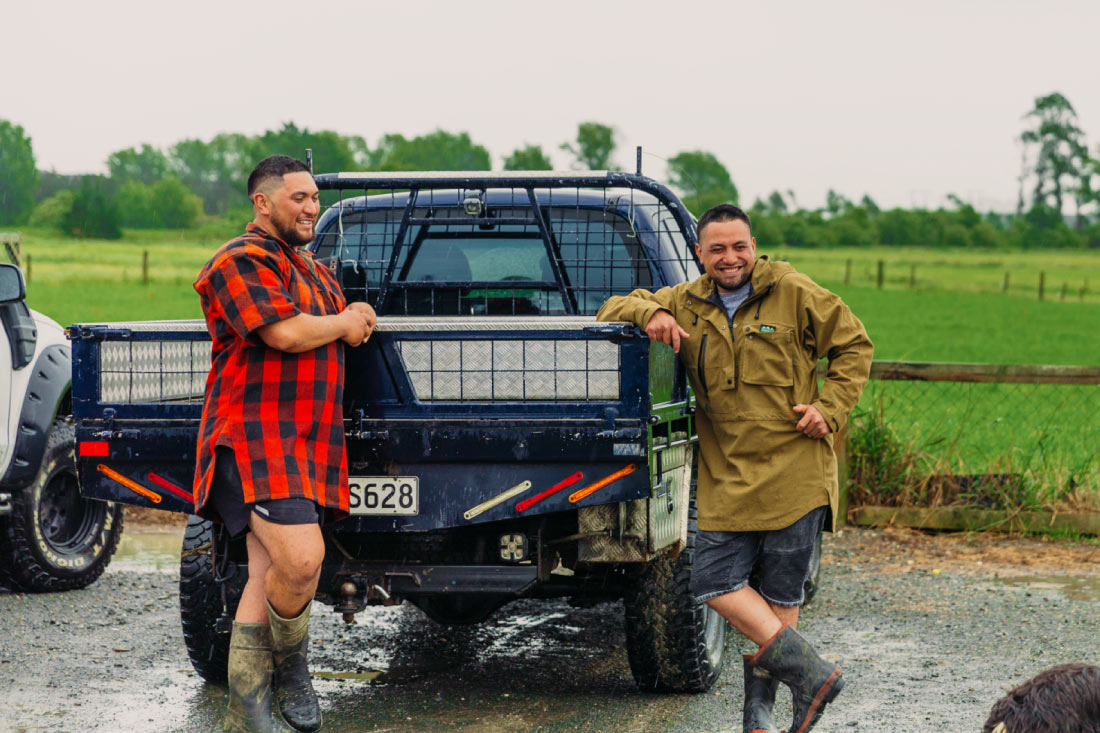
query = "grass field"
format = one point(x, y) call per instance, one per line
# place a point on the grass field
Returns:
point(957, 270)
point(1044, 435)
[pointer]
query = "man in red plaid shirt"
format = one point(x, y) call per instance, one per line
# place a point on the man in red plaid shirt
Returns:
point(271, 458)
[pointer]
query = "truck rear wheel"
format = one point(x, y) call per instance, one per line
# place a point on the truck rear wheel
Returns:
point(55, 539)
point(673, 642)
point(201, 596)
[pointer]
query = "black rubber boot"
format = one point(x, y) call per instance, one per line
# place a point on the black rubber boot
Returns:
point(250, 667)
point(760, 689)
point(293, 688)
point(813, 681)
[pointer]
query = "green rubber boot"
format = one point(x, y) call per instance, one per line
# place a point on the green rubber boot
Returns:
point(760, 690)
point(293, 688)
point(250, 667)
point(813, 681)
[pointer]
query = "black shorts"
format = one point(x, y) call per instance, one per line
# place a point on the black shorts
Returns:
point(724, 560)
point(227, 499)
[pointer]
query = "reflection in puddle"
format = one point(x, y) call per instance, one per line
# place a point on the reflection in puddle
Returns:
point(145, 548)
point(1072, 587)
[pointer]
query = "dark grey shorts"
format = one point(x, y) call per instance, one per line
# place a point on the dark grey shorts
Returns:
point(724, 561)
point(227, 498)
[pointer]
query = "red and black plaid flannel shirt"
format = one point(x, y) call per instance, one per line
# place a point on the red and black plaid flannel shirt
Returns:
point(281, 413)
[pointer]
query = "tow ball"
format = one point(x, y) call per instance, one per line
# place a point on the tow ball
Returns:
point(349, 604)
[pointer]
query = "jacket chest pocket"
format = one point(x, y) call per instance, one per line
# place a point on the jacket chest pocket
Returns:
point(767, 356)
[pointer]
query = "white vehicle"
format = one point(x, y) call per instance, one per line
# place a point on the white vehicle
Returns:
point(51, 538)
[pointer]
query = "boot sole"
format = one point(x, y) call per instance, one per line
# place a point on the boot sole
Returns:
point(824, 696)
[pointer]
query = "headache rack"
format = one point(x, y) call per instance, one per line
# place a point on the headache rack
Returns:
point(506, 243)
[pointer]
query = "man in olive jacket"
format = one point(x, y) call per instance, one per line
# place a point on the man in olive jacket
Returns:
point(750, 333)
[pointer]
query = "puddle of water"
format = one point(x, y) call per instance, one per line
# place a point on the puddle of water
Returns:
point(1072, 587)
point(356, 676)
point(146, 549)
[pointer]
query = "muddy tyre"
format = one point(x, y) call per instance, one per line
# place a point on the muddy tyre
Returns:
point(55, 539)
point(201, 597)
point(673, 642)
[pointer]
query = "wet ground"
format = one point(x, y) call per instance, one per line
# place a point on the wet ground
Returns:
point(930, 632)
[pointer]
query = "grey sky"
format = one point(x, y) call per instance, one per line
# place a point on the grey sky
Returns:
point(904, 101)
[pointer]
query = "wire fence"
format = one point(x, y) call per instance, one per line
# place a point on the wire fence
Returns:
point(980, 435)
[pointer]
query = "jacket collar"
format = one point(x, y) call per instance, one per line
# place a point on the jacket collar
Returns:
point(763, 274)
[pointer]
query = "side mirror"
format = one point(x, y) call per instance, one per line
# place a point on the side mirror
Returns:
point(12, 286)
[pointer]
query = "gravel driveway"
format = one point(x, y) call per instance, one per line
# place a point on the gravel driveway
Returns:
point(931, 630)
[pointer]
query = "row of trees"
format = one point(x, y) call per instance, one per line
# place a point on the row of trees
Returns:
point(195, 180)
point(959, 225)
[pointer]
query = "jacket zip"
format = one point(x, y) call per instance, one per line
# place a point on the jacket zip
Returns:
point(701, 366)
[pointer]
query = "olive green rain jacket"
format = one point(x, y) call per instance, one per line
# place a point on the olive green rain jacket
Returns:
point(756, 472)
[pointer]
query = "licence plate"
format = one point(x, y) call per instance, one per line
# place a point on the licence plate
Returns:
point(389, 495)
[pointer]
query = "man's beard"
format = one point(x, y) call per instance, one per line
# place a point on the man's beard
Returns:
point(291, 236)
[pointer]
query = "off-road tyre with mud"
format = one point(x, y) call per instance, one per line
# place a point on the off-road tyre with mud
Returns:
point(201, 596)
point(54, 539)
point(673, 642)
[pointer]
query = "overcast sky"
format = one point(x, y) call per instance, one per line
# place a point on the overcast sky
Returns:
point(906, 101)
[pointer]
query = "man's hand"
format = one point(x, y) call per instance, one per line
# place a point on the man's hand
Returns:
point(664, 328)
point(812, 424)
point(357, 324)
point(372, 317)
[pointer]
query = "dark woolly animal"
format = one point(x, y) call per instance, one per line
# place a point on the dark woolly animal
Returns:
point(1063, 699)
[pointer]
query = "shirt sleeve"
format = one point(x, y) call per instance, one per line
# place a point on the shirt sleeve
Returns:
point(251, 289)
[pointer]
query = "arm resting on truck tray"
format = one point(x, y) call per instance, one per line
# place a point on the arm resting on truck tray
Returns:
point(304, 332)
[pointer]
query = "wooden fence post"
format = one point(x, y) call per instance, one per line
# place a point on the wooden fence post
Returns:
point(1065, 289)
point(1005, 289)
point(27, 270)
point(13, 247)
point(1042, 284)
point(847, 271)
point(145, 267)
point(881, 272)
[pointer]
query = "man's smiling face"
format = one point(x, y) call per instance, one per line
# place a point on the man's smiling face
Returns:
point(727, 251)
point(294, 208)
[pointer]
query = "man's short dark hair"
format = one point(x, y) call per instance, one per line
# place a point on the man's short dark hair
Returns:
point(720, 213)
point(1065, 699)
point(273, 166)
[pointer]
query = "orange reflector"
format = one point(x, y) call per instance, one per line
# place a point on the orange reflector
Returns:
point(93, 449)
point(133, 486)
point(593, 488)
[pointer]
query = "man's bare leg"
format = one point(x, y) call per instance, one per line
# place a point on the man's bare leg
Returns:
point(295, 552)
point(786, 614)
point(253, 606)
point(749, 613)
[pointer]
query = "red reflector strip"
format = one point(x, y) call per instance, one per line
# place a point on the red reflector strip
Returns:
point(171, 488)
point(564, 483)
point(93, 449)
point(593, 488)
point(132, 485)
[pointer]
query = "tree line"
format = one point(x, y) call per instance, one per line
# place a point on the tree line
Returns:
point(197, 181)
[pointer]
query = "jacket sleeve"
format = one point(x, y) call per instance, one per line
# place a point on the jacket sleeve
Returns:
point(838, 336)
point(637, 307)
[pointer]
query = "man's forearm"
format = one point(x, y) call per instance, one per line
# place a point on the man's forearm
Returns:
point(303, 332)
